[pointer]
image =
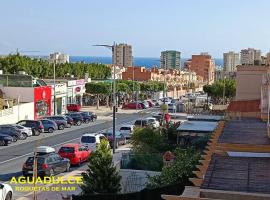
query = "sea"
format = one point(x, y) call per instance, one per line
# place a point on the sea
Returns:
point(138, 61)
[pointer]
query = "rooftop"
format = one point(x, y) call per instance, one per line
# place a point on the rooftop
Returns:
point(212, 118)
point(242, 174)
point(197, 126)
point(245, 131)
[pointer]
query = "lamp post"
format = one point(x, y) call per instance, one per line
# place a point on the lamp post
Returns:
point(54, 95)
point(112, 48)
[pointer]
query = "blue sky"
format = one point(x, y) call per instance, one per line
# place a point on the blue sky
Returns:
point(190, 26)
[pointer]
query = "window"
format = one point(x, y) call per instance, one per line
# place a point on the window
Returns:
point(125, 128)
point(67, 150)
point(88, 139)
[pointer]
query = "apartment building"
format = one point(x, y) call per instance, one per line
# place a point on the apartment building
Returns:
point(203, 65)
point(59, 58)
point(122, 55)
point(170, 59)
point(250, 56)
point(230, 61)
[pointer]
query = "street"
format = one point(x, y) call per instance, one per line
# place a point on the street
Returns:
point(12, 157)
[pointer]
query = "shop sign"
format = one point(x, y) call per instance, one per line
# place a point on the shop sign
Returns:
point(76, 82)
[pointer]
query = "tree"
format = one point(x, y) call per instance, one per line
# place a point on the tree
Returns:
point(98, 89)
point(101, 175)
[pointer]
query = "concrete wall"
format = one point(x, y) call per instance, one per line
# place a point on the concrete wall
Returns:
point(16, 113)
point(25, 94)
point(135, 180)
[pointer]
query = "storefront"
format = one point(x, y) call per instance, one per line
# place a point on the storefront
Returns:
point(60, 98)
point(75, 91)
point(42, 101)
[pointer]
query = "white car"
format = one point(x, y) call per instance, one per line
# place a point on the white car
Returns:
point(25, 130)
point(127, 130)
point(6, 192)
point(92, 140)
point(153, 122)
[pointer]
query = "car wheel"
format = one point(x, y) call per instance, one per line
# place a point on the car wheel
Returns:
point(50, 130)
point(36, 133)
point(61, 127)
point(24, 136)
point(78, 123)
point(9, 196)
point(14, 139)
point(68, 167)
point(69, 125)
point(87, 121)
point(2, 143)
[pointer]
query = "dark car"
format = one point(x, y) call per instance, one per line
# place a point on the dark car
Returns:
point(5, 139)
point(92, 114)
point(13, 132)
point(119, 137)
point(141, 123)
point(60, 121)
point(77, 118)
point(35, 125)
point(49, 125)
point(48, 164)
point(69, 120)
point(86, 117)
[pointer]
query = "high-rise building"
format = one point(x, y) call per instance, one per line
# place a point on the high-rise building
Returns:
point(230, 61)
point(250, 56)
point(204, 66)
point(122, 55)
point(170, 60)
point(59, 58)
point(268, 58)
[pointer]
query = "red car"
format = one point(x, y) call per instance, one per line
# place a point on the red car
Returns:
point(74, 107)
point(132, 105)
point(76, 153)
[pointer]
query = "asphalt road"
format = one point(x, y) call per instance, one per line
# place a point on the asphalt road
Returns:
point(13, 157)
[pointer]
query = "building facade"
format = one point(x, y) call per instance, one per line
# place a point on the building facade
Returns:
point(122, 55)
point(204, 66)
point(170, 60)
point(59, 58)
point(250, 56)
point(230, 61)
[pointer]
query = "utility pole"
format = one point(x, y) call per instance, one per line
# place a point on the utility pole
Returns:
point(224, 87)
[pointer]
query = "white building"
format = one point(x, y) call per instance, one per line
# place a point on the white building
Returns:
point(58, 57)
point(230, 61)
point(250, 56)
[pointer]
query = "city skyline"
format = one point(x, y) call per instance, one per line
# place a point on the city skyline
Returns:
point(73, 27)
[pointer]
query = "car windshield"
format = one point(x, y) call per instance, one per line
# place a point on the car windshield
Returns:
point(40, 160)
point(20, 127)
point(88, 139)
point(140, 122)
point(124, 128)
point(66, 150)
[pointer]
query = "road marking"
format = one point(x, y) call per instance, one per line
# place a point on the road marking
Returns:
point(57, 144)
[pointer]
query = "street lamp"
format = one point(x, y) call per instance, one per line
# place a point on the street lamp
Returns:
point(112, 48)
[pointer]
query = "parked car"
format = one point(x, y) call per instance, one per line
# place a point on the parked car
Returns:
point(5, 140)
point(70, 121)
point(141, 123)
point(158, 117)
point(119, 137)
point(172, 107)
point(144, 105)
point(76, 153)
point(6, 192)
point(73, 107)
point(25, 130)
point(86, 117)
point(153, 122)
point(77, 118)
point(49, 163)
point(150, 103)
point(35, 125)
point(92, 140)
point(59, 120)
point(127, 130)
point(49, 125)
point(15, 133)
point(132, 105)
point(91, 114)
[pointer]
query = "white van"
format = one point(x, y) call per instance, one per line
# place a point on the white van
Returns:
point(92, 140)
